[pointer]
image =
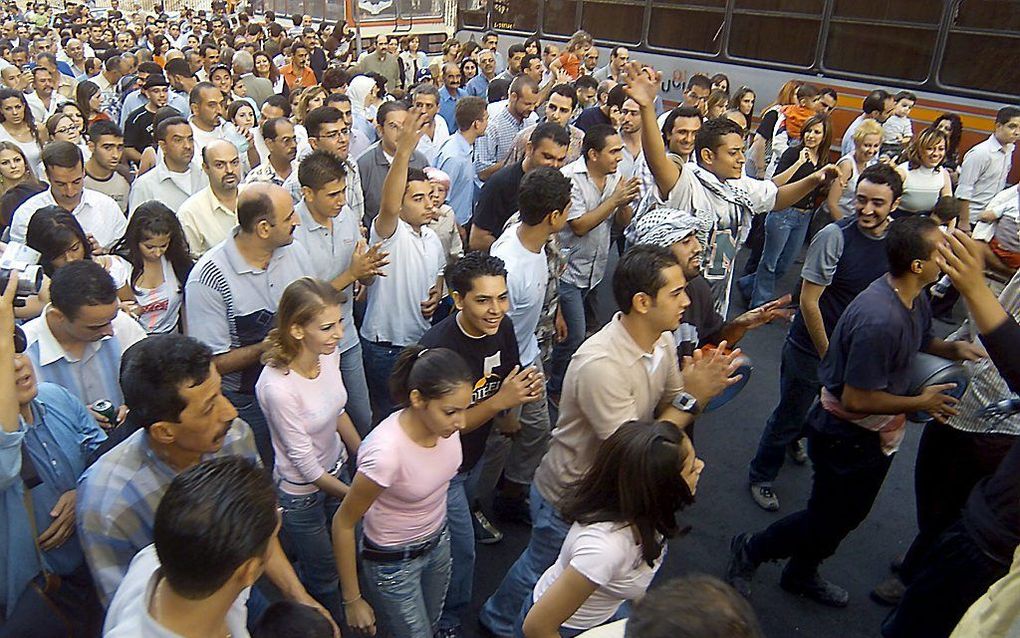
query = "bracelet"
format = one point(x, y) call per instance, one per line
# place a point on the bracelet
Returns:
point(352, 601)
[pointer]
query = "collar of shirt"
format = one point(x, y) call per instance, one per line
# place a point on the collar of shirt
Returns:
point(239, 264)
point(308, 221)
point(631, 350)
point(50, 349)
point(215, 205)
point(83, 205)
point(164, 173)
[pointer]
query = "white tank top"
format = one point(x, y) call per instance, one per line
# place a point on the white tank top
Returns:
point(846, 200)
point(921, 188)
point(160, 307)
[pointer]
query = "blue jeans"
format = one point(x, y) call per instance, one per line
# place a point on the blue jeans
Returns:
point(307, 519)
point(407, 595)
point(785, 231)
point(379, 361)
point(462, 551)
point(548, 531)
point(250, 412)
point(572, 306)
point(798, 389)
point(359, 405)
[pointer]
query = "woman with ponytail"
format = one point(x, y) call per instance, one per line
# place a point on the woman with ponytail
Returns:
point(404, 471)
point(303, 397)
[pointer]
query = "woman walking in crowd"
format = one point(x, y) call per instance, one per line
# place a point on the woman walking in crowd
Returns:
point(17, 181)
point(90, 102)
point(785, 230)
point(867, 141)
point(63, 127)
point(18, 126)
point(155, 246)
point(623, 512)
point(952, 127)
point(303, 397)
point(924, 178)
point(266, 69)
point(60, 239)
point(404, 471)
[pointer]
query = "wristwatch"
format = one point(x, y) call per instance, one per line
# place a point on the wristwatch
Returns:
point(685, 402)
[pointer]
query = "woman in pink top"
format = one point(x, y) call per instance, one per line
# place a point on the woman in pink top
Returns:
point(404, 470)
point(303, 397)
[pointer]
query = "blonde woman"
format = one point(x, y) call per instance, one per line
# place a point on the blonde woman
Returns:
point(867, 141)
point(303, 397)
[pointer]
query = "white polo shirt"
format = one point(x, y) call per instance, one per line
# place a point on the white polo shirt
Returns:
point(393, 312)
point(97, 213)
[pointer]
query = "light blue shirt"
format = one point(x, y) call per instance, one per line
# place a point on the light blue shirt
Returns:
point(448, 106)
point(478, 86)
point(456, 159)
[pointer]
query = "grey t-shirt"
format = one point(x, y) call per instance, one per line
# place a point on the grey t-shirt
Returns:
point(115, 186)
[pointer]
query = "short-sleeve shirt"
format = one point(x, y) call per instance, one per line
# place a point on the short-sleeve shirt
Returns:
point(527, 276)
point(872, 348)
point(788, 159)
point(138, 129)
point(724, 225)
point(588, 254)
point(497, 200)
point(231, 304)
point(610, 381)
point(393, 311)
point(608, 555)
point(490, 358)
point(330, 251)
point(415, 480)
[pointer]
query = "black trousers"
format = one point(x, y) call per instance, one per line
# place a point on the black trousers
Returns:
point(848, 473)
point(949, 463)
point(954, 574)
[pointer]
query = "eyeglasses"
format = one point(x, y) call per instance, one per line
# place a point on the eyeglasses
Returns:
point(64, 130)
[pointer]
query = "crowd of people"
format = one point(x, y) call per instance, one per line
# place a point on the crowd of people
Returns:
point(311, 325)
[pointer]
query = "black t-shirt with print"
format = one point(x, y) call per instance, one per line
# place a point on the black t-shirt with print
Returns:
point(490, 358)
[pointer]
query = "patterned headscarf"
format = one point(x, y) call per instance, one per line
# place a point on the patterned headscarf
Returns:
point(662, 227)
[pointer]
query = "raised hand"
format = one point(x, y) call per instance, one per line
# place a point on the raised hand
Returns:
point(642, 86)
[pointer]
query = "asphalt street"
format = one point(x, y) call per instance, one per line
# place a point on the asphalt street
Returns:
point(726, 439)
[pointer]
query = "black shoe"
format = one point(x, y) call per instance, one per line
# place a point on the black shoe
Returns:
point(741, 568)
point(889, 592)
point(485, 532)
point(511, 510)
point(815, 588)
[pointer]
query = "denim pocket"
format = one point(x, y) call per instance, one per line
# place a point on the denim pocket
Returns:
point(298, 502)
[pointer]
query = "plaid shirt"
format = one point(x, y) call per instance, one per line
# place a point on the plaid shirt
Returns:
point(495, 145)
point(117, 500)
point(109, 103)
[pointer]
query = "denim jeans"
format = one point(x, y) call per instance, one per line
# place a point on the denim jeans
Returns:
point(359, 405)
point(548, 531)
point(379, 361)
point(572, 307)
point(798, 389)
point(785, 231)
point(250, 412)
point(462, 551)
point(307, 519)
point(407, 595)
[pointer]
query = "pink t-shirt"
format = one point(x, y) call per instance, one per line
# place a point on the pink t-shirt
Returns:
point(412, 506)
point(302, 416)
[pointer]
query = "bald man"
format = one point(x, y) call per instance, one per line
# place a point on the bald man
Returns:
point(233, 292)
point(209, 216)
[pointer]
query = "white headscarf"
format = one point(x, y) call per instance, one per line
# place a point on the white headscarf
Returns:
point(358, 90)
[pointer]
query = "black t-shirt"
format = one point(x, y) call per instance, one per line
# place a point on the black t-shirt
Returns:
point(497, 201)
point(788, 159)
point(700, 320)
point(138, 129)
point(872, 348)
point(767, 126)
point(490, 358)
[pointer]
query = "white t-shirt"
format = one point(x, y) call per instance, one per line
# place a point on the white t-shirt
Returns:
point(393, 312)
point(129, 617)
point(609, 555)
point(526, 280)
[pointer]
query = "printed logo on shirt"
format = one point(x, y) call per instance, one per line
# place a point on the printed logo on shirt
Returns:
point(490, 382)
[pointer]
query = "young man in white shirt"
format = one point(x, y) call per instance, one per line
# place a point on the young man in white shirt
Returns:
point(986, 165)
point(197, 584)
point(401, 304)
point(544, 202)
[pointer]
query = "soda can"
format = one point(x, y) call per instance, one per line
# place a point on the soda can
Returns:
point(107, 409)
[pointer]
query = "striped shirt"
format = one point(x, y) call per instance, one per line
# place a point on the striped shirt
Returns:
point(495, 145)
point(986, 385)
point(94, 376)
point(118, 496)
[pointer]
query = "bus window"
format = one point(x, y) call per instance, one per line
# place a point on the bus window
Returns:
point(784, 31)
point(687, 25)
point(472, 13)
point(515, 15)
point(613, 20)
point(560, 17)
point(990, 27)
point(884, 39)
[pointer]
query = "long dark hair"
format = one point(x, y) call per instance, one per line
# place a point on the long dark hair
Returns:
point(82, 95)
point(634, 480)
point(51, 231)
point(823, 147)
point(6, 94)
point(148, 220)
point(433, 372)
point(274, 73)
point(955, 132)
